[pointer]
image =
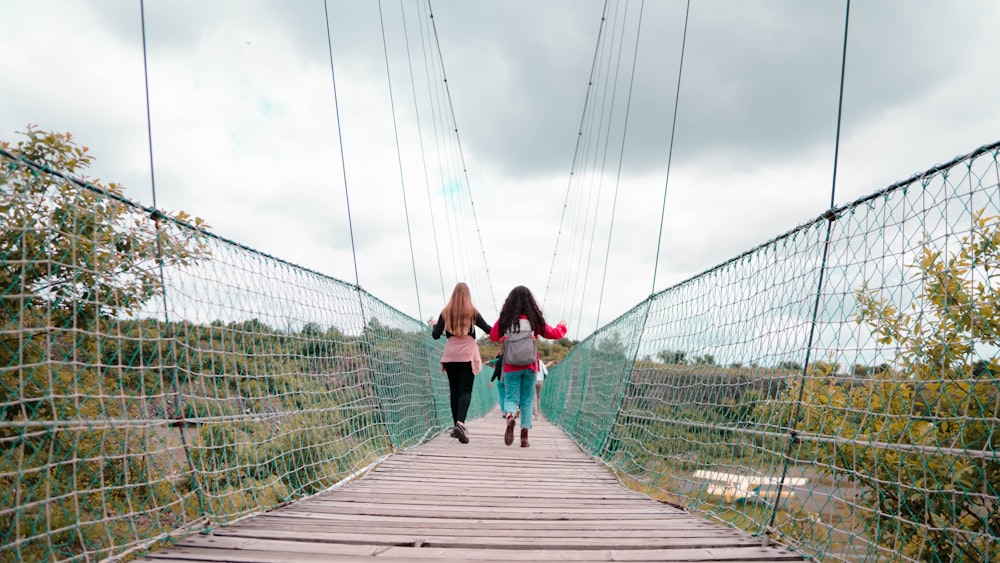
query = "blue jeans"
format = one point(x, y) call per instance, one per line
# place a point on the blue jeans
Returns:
point(519, 390)
point(501, 393)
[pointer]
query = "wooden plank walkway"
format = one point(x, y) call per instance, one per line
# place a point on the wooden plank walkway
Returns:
point(481, 501)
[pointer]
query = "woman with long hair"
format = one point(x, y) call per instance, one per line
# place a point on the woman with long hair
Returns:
point(520, 314)
point(461, 360)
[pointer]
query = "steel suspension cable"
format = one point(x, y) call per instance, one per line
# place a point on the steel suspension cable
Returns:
point(607, 144)
point(435, 89)
point(576, 150)
point(343, 161)
point(670, 149)
point(447, 162)
point(582, 185)
point(831, 216)
point(423, 155)
point(461, 154)
point(399, 159)
point(641, 328)
point(673, 128)
point(621, 157)
point(149, 119)
point(649, 300)
point(430, 71)
point(156, 215)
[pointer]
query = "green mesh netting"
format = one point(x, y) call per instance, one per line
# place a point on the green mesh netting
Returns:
point(854, 420)
point(835, 389)
point(156, 379)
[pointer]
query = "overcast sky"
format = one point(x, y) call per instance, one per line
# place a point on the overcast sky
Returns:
point(245, 127)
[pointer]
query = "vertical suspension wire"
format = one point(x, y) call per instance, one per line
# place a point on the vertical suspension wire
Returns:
point(168, 327)
point(831, 217)
point(444, 157)
point(399, 160)
point(445, 164)
point(582, 185)
point(612, 70)
point(576, 150)
point(423, 154)
point(670, 149)
point(431, 73)
point(347, 199)
point(343, 161)
point(640, 329)
point(423, 159)
point(840, 106)
point(149, 118)
point(621, 157)
point(461, 155)
point(673, 128)
point(451, 164)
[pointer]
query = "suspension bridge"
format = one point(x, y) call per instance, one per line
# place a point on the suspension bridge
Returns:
point(481, 502)
point(830, 394)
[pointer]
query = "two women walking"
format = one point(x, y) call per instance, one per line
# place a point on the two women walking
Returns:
point(520, 324)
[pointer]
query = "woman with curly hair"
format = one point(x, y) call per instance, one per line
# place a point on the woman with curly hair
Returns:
point(519, 314)
point(461, 360)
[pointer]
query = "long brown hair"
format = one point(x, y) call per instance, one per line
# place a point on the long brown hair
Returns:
point(519, 302)
point(459, 314)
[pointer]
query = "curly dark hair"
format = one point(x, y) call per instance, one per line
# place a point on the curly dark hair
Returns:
point(521, 302)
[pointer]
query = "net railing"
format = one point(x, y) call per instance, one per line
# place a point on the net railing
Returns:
point(835, 390)
point(157, 379)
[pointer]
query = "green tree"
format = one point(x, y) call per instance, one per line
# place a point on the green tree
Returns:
point(78, 250)
point(555, 350)
point(672, 356)
point(705, 360)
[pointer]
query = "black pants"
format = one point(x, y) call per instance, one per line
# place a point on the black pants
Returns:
point(460, 378)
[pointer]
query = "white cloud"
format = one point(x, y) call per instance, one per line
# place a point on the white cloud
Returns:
point(245, 131)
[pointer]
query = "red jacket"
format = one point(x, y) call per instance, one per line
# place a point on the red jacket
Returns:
point(550, 332)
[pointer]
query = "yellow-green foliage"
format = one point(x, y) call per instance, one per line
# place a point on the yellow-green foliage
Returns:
point(921, 436)
point(106, 409)
point(75, 262)
point(80, 252)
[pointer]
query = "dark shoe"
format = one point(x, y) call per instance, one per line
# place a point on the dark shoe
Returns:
point(508, 435)
point(524, 437)
point(454, 432)
point(460, 433)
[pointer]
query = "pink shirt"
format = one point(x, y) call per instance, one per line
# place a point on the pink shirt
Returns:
point(462, 348)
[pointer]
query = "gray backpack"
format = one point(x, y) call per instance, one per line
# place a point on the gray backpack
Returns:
point(520, 348)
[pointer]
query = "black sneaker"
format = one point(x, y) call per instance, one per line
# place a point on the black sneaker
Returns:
point(459, 432)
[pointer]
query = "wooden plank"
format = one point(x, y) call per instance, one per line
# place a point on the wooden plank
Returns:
point(539, 495)
point(498, 541)
point(250, 530)
point(496, 513)
point(541, 507)
point(264, 551)
point(482, 501)
point(658, 523)
point(469, 500)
